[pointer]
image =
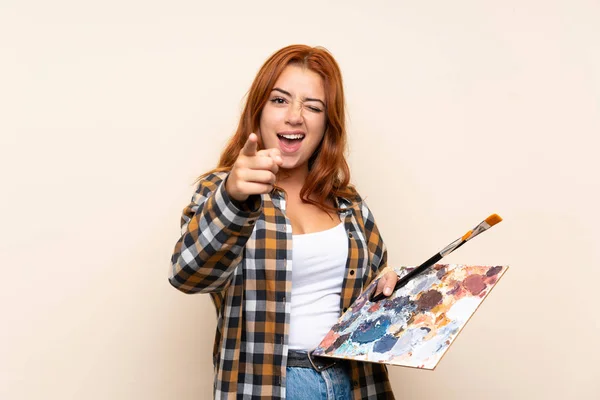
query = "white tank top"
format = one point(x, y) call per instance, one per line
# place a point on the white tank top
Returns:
point(318, 269)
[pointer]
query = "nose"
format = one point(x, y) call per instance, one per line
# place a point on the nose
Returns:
point(294, 115)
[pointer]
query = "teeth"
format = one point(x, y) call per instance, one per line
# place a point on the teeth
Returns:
point(291, 137)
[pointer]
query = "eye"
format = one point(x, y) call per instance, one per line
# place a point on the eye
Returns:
point(278, 100)
point(315, 109)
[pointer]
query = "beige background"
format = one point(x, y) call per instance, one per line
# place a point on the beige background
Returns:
point(108, 111)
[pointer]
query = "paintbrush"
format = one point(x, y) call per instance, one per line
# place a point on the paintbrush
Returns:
point(482, 227)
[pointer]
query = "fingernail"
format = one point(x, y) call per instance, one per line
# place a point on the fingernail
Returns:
point(387, 291)
point(278, 159)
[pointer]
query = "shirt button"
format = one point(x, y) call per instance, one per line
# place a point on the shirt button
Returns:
point(350, 235)
point(352, 272)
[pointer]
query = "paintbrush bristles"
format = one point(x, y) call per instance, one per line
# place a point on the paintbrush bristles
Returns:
point(482, 227)
point(493, 219)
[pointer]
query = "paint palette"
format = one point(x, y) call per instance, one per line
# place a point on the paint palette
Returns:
point(415, 326)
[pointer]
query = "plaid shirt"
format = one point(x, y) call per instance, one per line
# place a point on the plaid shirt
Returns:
point(242, 255)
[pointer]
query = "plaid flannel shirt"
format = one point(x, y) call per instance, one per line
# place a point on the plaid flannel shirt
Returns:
point(242, 255)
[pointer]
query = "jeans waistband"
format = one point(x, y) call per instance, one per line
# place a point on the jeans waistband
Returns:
point(304, 359)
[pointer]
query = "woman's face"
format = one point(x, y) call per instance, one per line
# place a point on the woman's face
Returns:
point(294, 118)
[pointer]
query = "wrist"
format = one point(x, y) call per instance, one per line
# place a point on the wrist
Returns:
point(231, 193)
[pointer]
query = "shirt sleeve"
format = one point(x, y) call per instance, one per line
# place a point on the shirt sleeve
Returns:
point(375, 242)
point(377, 247)
point(214, 231)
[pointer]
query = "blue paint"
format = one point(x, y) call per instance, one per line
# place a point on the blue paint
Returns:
point(370, 331)
point(440, 274)
point(385, 344)
point(398, 303)
point(345, 324)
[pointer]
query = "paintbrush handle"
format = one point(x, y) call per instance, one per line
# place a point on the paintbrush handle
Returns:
point(406, 278)
point(482, 227)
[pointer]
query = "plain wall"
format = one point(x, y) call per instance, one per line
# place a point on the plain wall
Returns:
point(109, 110)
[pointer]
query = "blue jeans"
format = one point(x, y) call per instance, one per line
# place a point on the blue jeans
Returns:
point(308, 384)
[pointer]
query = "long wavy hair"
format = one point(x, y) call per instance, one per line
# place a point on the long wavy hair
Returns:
point(329, 175)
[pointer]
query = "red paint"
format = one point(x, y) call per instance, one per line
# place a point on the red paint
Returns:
point(474, 284)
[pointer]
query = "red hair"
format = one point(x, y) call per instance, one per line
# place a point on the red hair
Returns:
point(329, 175)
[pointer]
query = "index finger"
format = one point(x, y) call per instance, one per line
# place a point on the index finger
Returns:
point(250, 146)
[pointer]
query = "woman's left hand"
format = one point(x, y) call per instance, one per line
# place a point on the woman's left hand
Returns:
point(386, 284)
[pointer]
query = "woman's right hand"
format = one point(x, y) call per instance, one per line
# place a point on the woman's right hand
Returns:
point(254, 172)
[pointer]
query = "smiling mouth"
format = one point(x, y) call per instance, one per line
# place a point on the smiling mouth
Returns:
point(290, 143)
point(297, 136)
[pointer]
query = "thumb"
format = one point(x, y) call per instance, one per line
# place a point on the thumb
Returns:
point(385, 285)
point(276, 156)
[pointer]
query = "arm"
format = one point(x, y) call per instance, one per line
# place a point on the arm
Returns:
point(214, 231)
point(375, 243)
point(386, 275)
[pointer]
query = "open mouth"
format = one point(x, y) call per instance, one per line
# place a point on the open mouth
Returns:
point(290, 142)
point(291, 138)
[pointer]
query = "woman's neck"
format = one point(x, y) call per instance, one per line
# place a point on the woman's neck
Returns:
point(292, 180)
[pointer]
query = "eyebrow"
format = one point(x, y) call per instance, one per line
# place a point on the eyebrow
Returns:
point(304, 99)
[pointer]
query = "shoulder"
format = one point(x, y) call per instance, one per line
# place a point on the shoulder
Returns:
point(351, 197)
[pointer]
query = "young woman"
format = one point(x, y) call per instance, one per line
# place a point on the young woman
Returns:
point(281, 240)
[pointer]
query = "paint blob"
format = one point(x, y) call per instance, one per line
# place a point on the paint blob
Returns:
point(474, 284)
